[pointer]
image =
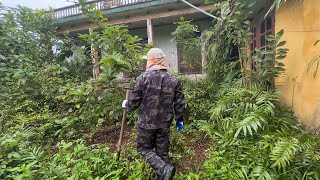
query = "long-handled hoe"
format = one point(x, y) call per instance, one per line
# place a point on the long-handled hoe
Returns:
point(124, 116)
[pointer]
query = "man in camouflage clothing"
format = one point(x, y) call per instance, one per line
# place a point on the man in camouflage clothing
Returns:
point(158, 95)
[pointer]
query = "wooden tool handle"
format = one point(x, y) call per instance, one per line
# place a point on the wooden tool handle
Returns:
point(122, 127)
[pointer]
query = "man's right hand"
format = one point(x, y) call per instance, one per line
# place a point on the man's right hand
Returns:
point(124, 102)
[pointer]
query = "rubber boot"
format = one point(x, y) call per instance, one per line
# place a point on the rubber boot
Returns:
point(168, 172)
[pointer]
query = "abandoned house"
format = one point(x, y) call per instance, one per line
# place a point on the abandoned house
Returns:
point(153, 21)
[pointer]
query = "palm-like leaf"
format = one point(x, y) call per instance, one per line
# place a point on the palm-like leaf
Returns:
point(283, 152)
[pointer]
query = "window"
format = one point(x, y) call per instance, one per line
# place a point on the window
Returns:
point(192, 65)
point(260, 30)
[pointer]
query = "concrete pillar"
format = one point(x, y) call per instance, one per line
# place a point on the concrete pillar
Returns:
point(150, 31)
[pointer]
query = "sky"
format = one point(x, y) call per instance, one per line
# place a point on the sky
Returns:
point(37, 4)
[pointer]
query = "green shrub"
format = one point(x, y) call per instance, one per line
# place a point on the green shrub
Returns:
point(68, 160)
point(257, 138)
point(88, 106)
point(199, 96)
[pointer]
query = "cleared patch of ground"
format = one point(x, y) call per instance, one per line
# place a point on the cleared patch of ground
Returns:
point(196, 144)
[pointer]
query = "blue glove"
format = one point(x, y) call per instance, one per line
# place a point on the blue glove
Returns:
point(179, 124)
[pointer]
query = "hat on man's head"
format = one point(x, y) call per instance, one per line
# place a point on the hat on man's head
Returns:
point(156, 59)
point(154, 53)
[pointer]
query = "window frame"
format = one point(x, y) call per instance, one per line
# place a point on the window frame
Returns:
point(256, 30)
point(183, 68)
point(256, 33)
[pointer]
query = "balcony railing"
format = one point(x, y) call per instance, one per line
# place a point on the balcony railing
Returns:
point(98, 4)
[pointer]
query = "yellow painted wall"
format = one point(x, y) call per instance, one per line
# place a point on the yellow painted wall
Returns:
point(299, 89)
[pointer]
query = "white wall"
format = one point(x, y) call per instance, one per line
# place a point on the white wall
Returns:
point(163, 40)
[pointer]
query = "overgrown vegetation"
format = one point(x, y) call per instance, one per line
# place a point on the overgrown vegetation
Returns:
point(46, 99)
point(54, 110)
point(254, 136)
point(186, 37)
point(258, 139)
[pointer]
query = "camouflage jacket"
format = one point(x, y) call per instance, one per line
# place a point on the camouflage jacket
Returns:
point(159, 96)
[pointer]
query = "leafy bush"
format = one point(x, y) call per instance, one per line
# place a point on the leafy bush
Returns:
point(86, 107)
point(267, 62)
point(75, 160)
point(71, 160)
point(185, 35)
point(19, 155)
point(199, 95)
point(257, 138)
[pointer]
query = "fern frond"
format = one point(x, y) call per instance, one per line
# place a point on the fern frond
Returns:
point(312, 155)
point(227, 123)
point(260, 173)
point(208, 128)
point(34, 155)
point(283, 152)
point(249, 124)
point(239, 173)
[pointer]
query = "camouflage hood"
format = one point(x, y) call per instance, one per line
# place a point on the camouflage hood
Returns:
point(156, 59)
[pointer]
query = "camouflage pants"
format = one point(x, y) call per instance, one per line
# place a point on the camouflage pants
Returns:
point(153, 146)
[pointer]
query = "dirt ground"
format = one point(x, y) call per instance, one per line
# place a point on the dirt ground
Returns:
point(110, 136)
point(193, 160)
point(199, 147)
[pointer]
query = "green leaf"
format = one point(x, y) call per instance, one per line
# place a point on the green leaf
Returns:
point(99, 14)
point(282, 49)
point(316, 70)
point(279, 34)
point(92, 6)
point(280, 57)
point(2, 57)
point(100, 121)
point(271, 37)
point(283, 152)
point(316, 61)
point(280, 69)
point(282, 43)
point(237, 133)
point(9, 143)
point(14, 155)
point(282, 53)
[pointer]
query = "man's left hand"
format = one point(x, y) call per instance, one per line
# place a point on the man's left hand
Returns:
point(179, 124)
